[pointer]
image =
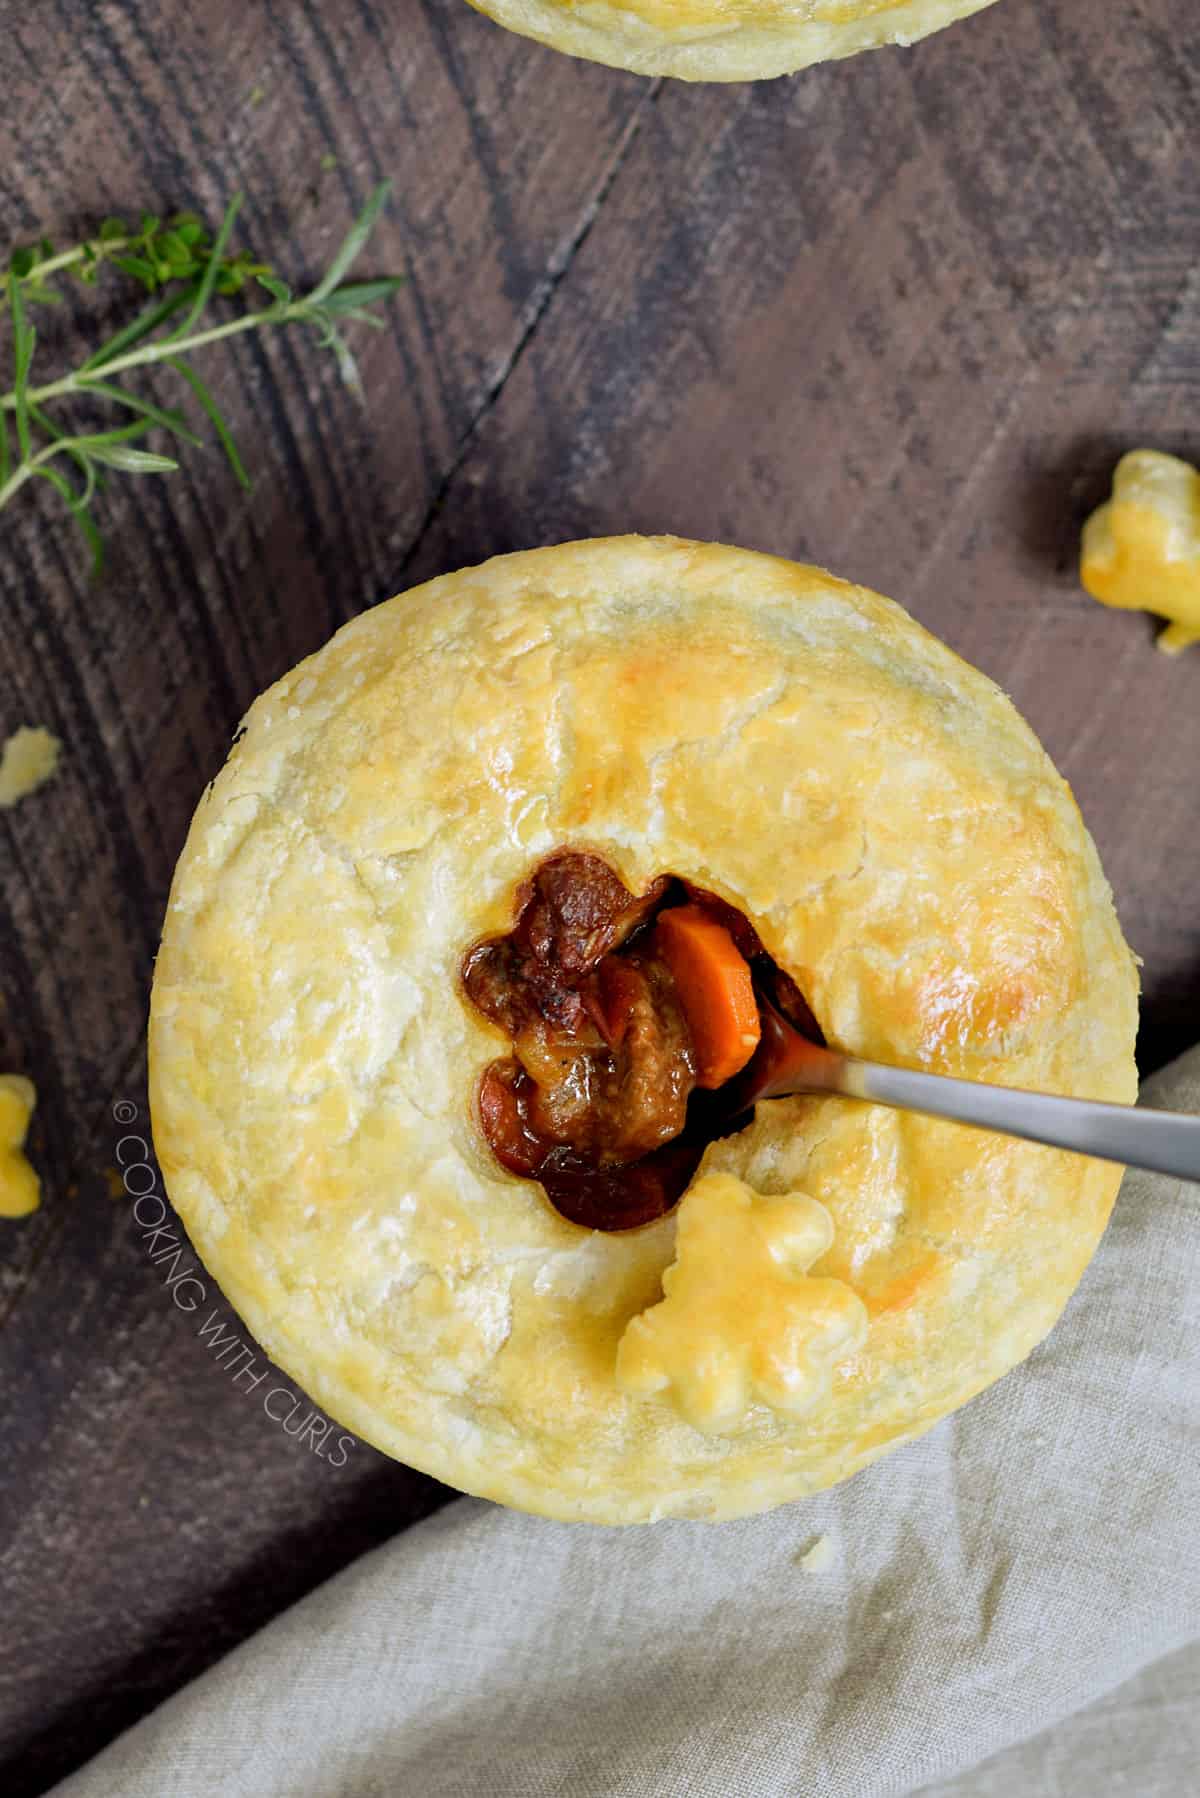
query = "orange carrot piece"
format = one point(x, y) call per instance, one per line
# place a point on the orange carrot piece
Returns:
point(715, 989)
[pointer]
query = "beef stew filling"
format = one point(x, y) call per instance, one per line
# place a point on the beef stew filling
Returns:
point(627, 1017)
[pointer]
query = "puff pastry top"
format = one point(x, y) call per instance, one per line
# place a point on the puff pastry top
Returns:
point(799, 747)
point(723, 40)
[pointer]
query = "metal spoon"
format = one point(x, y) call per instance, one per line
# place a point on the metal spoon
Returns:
point(787, 1062)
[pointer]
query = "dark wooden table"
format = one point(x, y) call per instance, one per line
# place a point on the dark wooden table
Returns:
point(898, 316)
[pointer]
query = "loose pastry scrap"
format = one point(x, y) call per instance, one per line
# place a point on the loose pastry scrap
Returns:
point(28, 760)
point(723, 40)
point(19, 1185)
point(468, 937)
point(1141, 550)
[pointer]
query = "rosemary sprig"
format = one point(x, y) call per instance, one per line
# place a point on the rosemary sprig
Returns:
point(177, 262)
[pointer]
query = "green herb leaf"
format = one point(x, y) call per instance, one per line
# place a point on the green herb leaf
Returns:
point(92, 537)
point(213, 413)
point(24, 343)
point(178, 252)
point(42, 418)
point(136, 402)
point(69, 448)
point(122, 434)
point(330, 338)
point(353, 244)
point(78, 508)
point(360, 293)
point(139, 268)
point(205, 285)
point(131, 461)
point(278, 290)
point(143, 326)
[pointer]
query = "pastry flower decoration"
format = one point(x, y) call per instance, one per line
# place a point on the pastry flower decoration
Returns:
point(1142, 549)
point(741, 1320)
point(18, 1183)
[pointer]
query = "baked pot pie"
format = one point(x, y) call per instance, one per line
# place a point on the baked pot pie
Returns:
point(723, 40)
point(467, 943)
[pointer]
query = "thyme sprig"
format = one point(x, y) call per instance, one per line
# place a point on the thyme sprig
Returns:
point(154, 253)
point(185, 271)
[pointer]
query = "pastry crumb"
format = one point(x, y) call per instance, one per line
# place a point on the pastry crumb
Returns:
point(20, 1188)
point(817, 1556)
point(29, 758)
point(1141, 550)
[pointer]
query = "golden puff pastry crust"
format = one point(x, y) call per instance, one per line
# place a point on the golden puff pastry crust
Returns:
point(794, 744)
point(723, 40)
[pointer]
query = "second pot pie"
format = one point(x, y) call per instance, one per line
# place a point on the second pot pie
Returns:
point(423, 961)
point(723, 40)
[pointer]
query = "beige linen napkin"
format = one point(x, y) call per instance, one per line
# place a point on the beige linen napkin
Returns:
point(1017, 1564)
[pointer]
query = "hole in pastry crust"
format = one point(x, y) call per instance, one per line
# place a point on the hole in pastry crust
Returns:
point(617, 1080)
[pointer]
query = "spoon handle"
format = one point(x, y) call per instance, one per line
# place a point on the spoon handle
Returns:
point(1164, 1141)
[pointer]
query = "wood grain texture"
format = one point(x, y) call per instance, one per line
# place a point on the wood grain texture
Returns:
point(898, 316)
